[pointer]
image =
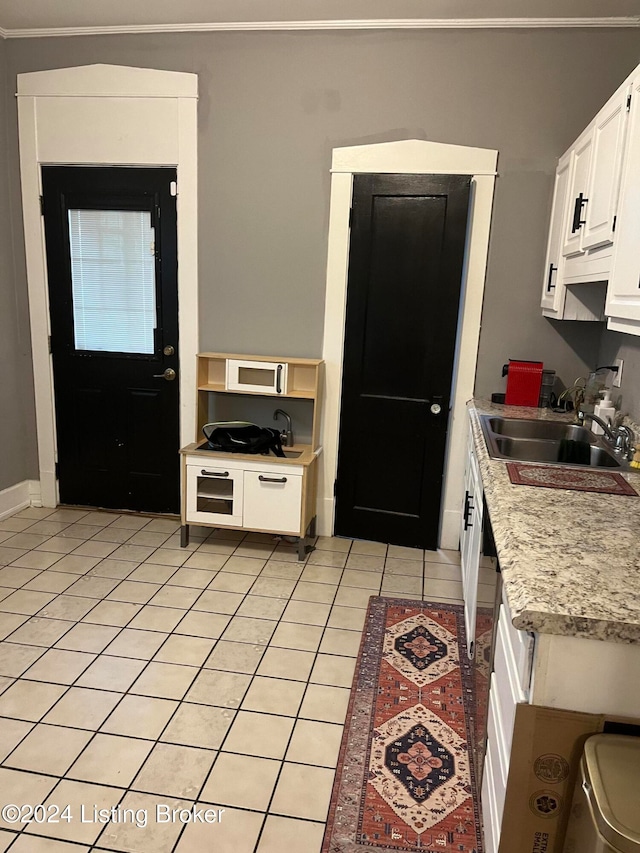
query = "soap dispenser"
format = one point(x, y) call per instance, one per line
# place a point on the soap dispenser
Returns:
point(605, 410)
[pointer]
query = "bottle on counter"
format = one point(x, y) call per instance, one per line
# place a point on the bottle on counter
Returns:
point(605, 410)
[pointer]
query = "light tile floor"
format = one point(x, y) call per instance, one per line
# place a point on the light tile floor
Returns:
point(137, 675)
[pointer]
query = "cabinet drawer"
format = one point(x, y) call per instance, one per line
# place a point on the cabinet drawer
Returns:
point(273, 501)
point(521, 645)
point(490, 819)
point(498, 748)
point(259, 377)
point(214, 494)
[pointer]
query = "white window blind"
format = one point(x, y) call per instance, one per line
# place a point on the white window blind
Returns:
point(113, 280)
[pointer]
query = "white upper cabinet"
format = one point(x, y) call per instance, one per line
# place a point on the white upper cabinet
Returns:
point(623, 292)
point(553, 290)
point(578, 193)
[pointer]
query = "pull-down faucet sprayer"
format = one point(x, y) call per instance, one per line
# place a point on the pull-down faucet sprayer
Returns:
point(287, 436)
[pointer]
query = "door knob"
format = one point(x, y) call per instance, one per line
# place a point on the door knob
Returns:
point(169, 375)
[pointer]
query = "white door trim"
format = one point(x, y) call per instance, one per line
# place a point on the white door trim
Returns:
point(118, 116)
point(407, 157)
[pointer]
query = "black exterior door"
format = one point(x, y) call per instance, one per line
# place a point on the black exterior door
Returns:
point(405, 267)
point(112, 271)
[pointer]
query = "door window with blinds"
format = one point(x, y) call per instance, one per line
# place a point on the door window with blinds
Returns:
point(113, 280)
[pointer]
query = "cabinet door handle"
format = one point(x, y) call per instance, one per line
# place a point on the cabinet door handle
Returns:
point(271, 479)
point(577, 213)
point(206, 473)
point(552, 269)
point(279, 379)
point(468, 509)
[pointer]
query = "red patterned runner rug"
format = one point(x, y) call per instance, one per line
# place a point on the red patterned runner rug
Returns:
point(405, 778)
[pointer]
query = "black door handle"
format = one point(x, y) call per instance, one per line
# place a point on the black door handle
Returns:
point(552, 269)
point(577, 213)
point(468, 509)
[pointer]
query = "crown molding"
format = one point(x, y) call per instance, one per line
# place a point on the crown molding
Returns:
point(372, 24)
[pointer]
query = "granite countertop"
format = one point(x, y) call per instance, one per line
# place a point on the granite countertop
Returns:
point(570, 560)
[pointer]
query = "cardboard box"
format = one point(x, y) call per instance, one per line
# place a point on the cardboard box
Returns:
point(545, 757)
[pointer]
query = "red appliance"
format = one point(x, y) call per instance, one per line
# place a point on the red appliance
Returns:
point(524, 379)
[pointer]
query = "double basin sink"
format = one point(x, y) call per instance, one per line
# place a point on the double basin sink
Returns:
point(545, 442)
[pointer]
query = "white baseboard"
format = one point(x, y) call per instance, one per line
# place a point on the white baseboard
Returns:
point(15, 498)
point(450, 531)
point(325, 511)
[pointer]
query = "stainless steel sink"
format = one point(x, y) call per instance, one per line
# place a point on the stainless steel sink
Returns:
point(292, 454)
point(545, 442)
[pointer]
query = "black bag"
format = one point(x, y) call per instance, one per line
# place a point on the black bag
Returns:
point(242, 437)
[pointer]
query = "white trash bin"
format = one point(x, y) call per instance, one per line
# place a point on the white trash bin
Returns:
point(605, 812)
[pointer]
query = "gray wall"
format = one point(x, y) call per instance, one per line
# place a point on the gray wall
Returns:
point(17, 427)
point(627, 347)
point(272, 107)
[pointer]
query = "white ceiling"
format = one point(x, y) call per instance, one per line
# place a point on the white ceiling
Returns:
point(27, 17)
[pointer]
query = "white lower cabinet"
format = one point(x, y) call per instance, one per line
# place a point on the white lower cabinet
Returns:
point(272, 501)
point(214, 494)
point(471, 541)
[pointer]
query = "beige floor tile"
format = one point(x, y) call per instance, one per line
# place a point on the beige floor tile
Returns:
point(33, 844)
point(362, 580)
point(111, 760)
point(49, 749)
point(29, 700)
point(307, 613)
point(37, 560)
point(69, 607)
point(52, 582)
point(113, 535)
point(192, 651)
point(274, 696)
point(283, 566)
point(154, 618)
point(405, 553)
point(9, 622)
point(366, 562)
point(352, 597)
point(259, 550)
point(397, 566)
point(164, 680)
point(264, 735)
point(110, 568)
point(442, 556)
point(130, 522)
point(293, 635)
point(261, 607)
point(134, 643)
point(111, 673)
point(235, 657)
point(272, 587)
point(371, 549)
point(25, 540)
point(170, 556)
point(352, 618)
point(162, 525)
point(321, 593)
point(87, 638)
point(198, 725)
point(230, 582)
point(134, 592)
point(339, 641)
point(209, 561)
point(402, 584)
point(294, 836)
point(40, 632)
point(5, 682)
point(8, 555)
point(150, 539)
point(333, 543)
point(321, 574)
point(195, 578)
point(115, 613)
point(151, 573)
point(213, 601)
point(16, 658)
point(326, 704)
point(218, 687)
point(15, 577)
point(442, 571)
point(315, 743)
point(133, 553)
point(200, 623)
point(11, 733)
point(81, 532)
point(60, 666)
point(174, 771)
point(14, 524)
point(433, 589)
point(316, 783)
point(26, 601)
point(76, 795)
point(75, 564)
point(286, 663)
point(59, 545)
point(5, 592)
point(181, 597)
point(22, 788)
point(83, 708)
point(95, 549)
point(244, 565)
point(333, 670)
point(238, 832)
point(6, 837)
point(140, 716)
point(245, 630)
point(92, 586)
point(227, 784)
point(334, 559)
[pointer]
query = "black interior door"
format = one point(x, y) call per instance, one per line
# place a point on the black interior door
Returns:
point(405, 267)
point(112, 272)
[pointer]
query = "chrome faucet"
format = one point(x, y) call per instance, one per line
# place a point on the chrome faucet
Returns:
point(622, 437)
point(287, 436)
